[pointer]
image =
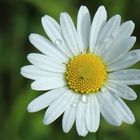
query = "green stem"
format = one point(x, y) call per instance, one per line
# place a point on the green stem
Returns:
point(99, 134)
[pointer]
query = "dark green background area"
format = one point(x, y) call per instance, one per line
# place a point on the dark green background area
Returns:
point(19, 18)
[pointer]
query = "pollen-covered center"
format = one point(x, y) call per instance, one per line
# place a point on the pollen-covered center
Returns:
point(86, 73)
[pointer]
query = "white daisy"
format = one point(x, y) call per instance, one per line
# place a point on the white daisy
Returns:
point(84, 70)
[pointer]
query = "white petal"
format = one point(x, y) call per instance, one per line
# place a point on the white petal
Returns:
point(80, 119)
point(69, 33)
point(98, 22)
point(46, 63)
point(124, 32)
point(121, 90)
point(34, 73)
point(70, 116)
point(108, 109)
point(128, 60)
point(126, 115)
point(107, 34)
point(45, 99)
point(53, 30)
point(83, 27)
point(92, 114)
point(48, 83)
point(58, 107)
point(126, 29)
point(128, 76)
point(46, 47)
point(68, 119)
point(119, 47)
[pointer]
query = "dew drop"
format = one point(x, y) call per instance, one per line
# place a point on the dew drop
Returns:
point(84, 98)
point(116, 103)
point(106, 40)
point(114, 33)
point(130, 115)
point(58, 42)
point(74, 105)
point(110, 37)
point(137, 77)
point(125, 93)
point(133, 53)
point(132, 96)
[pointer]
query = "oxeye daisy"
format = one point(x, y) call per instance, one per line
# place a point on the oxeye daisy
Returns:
point(84, 70)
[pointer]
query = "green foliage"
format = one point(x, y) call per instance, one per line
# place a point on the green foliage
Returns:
point(18, 19)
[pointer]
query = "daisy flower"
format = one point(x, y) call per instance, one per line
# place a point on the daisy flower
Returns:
point(84, 70)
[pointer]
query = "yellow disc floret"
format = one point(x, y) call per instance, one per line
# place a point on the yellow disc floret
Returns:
point(86, 73)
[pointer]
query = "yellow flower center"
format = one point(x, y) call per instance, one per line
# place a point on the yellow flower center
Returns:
point(86, 73)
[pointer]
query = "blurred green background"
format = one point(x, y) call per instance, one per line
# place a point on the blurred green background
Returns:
point(19, 18)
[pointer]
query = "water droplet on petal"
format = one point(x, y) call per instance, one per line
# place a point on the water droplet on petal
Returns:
point(130, 115)
point(138, 77)
point(106, 40)
point(133, 53)
point(132, 96)
point(58, 42)
point(84, 98)
point(125, 93)
point(113, 35)
point(74, 105)
point(116, 103)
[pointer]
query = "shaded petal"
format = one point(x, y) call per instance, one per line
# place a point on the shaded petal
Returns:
point(126, 29)
point(108, 32)
point(80, 119)
point(98, 22)
point(121, 90)
point(58, 107)
point(119, 47)
point(108, 109)
point(70, 115)
point(48, 83)
point(69, 33)
point(126, 114)
point(128, 60)
point(46, 47)
point(45, 99)
point(128, 76)
point(124, 33)
point(46, 63)
point(35, 73)
point(53, 30)
point(83, 27)
point(92, 114)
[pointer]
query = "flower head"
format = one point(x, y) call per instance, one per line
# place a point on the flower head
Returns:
point(83, 70)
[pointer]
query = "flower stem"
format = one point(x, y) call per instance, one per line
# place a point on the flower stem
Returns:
point(99, 134)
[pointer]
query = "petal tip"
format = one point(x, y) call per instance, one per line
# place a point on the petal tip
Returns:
point(31, 36)
point(22, 70)
point(33, 86)
point(45, 122)
point(65, 130)
point(29, 57)
point(118, 16)
point(82, 7)
point(63, 14)
point(131, 23)
point(102, 7)
point(29, 109)
point(44, 19)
